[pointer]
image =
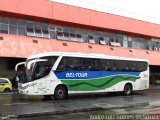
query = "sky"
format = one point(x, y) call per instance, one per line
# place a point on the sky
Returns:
point(147, 10)
point(145, 7)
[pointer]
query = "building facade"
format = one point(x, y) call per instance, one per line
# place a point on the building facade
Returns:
point(34, 26)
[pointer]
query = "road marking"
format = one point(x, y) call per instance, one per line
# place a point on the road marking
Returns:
point(15, 104)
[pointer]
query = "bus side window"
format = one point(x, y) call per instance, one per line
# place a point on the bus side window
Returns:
point(118, 64)
point(126, 66)
point(85, 63)
point(108, 64)
point(68, 63)
point(137, 66)
point(121, 65)
point(61, 66)
point(113, 65)
point(143, 66)
point(103, 65)
point(129, 65)
point(97, 65)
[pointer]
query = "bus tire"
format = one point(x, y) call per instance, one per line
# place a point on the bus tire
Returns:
point(60, 93)
point(127, 89)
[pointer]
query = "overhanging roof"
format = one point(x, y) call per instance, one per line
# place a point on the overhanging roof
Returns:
point(22, 46)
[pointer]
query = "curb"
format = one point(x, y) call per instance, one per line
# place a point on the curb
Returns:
point(153, 89)
point(96, 108)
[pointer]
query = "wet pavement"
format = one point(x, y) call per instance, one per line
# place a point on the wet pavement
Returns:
point(147, 112)
point(79, 106)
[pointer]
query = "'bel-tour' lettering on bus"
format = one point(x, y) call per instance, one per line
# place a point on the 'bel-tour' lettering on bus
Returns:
point(76, 75)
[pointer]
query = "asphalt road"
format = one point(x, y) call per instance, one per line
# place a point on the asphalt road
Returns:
point(136, 113)
point(14, 104)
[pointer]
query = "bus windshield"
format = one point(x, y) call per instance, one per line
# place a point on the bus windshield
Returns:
point(38, 68)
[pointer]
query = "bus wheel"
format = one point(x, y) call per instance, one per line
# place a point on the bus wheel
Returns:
point(127, 89)
point(60, 93)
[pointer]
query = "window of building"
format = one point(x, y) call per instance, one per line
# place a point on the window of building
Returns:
point(38, 32)
point(85, 38)
point(12, 29)
point(3, 28)
point(45, 26)
point(45, 33)
point(96, 39)
point(75, 37)
point(4, 20)
point(102, 41)
point(78, 35)
point(90, 37)
point(72, 35)
point(60, 29)
point(91, 40)
point(41, 29)
point(52, 34)
point(21, 30)
point(113, 43)
point(66, 34)
point(125, 41)
point(30, 24)
point(30, 31)
point(37, 25)
point(12, 21)
point(21, 23)
point(72, 30)
point(130, 44)
point(60, 35)
point(66, 29)
point(52, 28)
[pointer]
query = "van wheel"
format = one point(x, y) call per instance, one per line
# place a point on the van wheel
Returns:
point(127, 89)
point(60, 93)
point(7, 90)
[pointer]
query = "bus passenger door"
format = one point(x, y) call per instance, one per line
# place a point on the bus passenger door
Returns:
point(39, 78)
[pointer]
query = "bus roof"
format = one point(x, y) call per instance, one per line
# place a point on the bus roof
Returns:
point(78, 54)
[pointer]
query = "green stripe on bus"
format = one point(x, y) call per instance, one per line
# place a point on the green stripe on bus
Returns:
point(97, 84)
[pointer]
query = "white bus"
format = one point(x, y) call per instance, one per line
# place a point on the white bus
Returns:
point(62, 73)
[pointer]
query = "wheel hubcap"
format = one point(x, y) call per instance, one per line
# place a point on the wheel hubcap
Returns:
point(128, 90)
point(60, 93)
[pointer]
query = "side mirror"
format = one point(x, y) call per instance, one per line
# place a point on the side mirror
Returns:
point(34, 61)
point(19, 66)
